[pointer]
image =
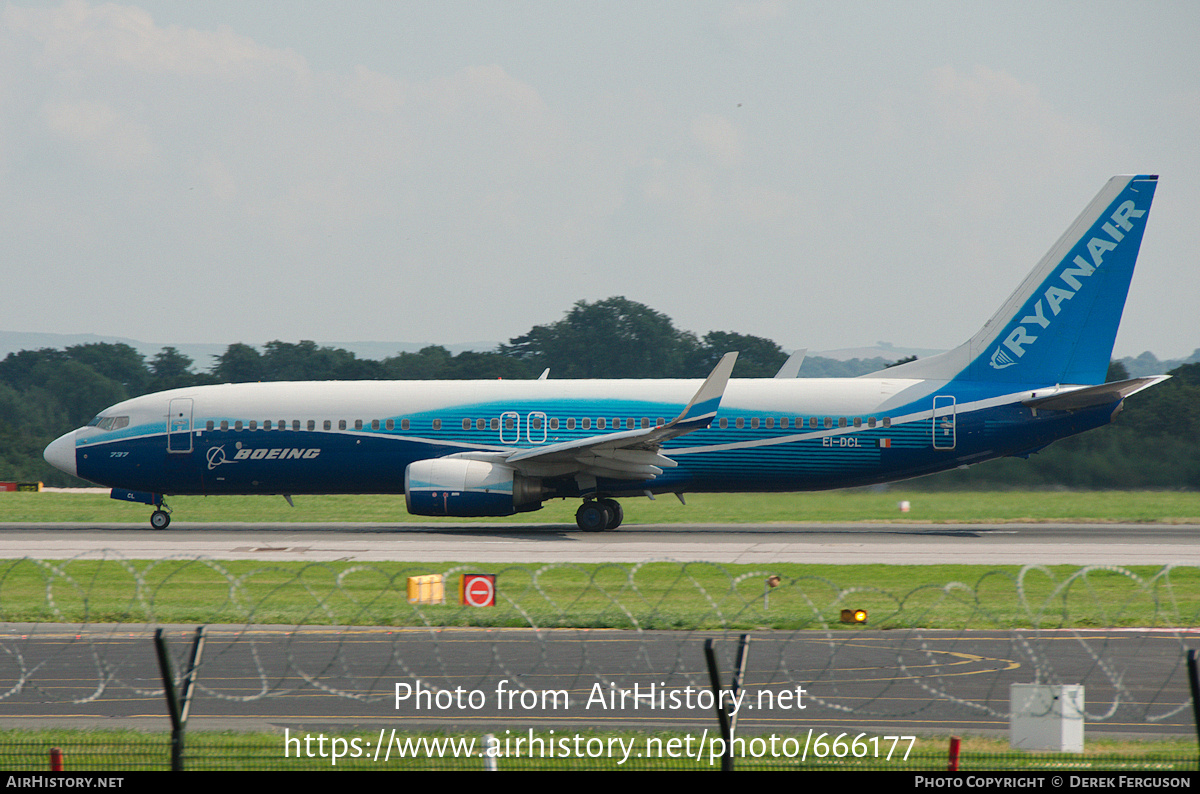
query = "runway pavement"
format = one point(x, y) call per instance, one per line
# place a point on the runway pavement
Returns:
point(910, 681)
point(909, 544)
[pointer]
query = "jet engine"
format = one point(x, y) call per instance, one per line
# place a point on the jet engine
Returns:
point(460, 487)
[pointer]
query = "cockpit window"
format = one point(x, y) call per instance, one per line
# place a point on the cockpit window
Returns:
point(109, 422)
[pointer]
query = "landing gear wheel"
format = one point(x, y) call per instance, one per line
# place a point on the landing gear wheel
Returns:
point(160, 519)
point(593, 516)
point(616, 514)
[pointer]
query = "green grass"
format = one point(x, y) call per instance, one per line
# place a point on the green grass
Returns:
point(662, 595)
point(826, 506)
point(109, 750)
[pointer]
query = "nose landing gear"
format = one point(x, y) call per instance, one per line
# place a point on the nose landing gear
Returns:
point(161, 518)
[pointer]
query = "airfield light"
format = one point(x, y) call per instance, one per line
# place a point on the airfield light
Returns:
point(855, 616)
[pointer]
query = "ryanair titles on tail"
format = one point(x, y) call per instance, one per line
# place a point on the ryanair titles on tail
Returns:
point(1013, 346)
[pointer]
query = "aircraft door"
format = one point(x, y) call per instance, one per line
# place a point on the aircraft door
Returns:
point(944, 429)
point(179, 425)
point(535, 427)
point(510, 427)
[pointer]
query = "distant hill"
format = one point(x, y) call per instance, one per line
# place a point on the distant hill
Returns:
point(1148, 364)
point(884, 350)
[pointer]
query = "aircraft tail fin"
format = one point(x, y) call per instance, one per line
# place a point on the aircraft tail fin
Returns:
point(1060, 324)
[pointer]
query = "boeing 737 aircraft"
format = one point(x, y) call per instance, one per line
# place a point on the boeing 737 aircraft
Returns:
point(1033, 374)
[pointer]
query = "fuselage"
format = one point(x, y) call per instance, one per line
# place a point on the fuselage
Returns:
point(476, 448)
point(359, 437)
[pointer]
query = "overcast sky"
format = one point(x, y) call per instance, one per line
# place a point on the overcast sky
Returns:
point(823, 174)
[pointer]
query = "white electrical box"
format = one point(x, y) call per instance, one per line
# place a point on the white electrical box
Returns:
point(1045, 717)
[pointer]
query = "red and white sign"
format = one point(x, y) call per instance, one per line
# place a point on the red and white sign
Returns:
point(477, 589)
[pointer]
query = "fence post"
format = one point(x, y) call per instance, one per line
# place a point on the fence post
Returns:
point(178, 705)
point(1194, 685)
point(725, 720)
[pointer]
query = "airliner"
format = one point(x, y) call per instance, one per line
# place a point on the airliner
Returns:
point(1033, 374)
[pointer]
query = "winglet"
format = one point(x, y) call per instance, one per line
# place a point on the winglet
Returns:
point(791, 367)
point(704, 404)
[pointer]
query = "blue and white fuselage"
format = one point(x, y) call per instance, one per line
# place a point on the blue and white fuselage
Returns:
point(1033, 374)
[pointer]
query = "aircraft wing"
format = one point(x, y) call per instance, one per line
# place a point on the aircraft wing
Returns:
point(628, 454)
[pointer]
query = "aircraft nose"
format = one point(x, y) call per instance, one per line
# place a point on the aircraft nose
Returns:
point(61, 453)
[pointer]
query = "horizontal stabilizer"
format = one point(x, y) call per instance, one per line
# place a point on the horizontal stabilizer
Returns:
point(1105, 393)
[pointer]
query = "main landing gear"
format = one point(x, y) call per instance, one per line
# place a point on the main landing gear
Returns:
point(597, 515)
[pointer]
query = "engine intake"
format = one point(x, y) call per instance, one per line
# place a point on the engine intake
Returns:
point(458, 487)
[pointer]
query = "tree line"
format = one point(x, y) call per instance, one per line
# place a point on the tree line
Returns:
point(47, 392)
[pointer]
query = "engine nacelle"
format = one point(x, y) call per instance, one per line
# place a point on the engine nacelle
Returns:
point(458, 487)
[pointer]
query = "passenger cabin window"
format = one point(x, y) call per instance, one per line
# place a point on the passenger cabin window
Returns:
point(404, 424)
point(437, 424)
point(374, 424)
point(224, 424)
point(341, 424)
point(237, 425)
point(209, 425)
point(328, 425)
point(358, 424)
